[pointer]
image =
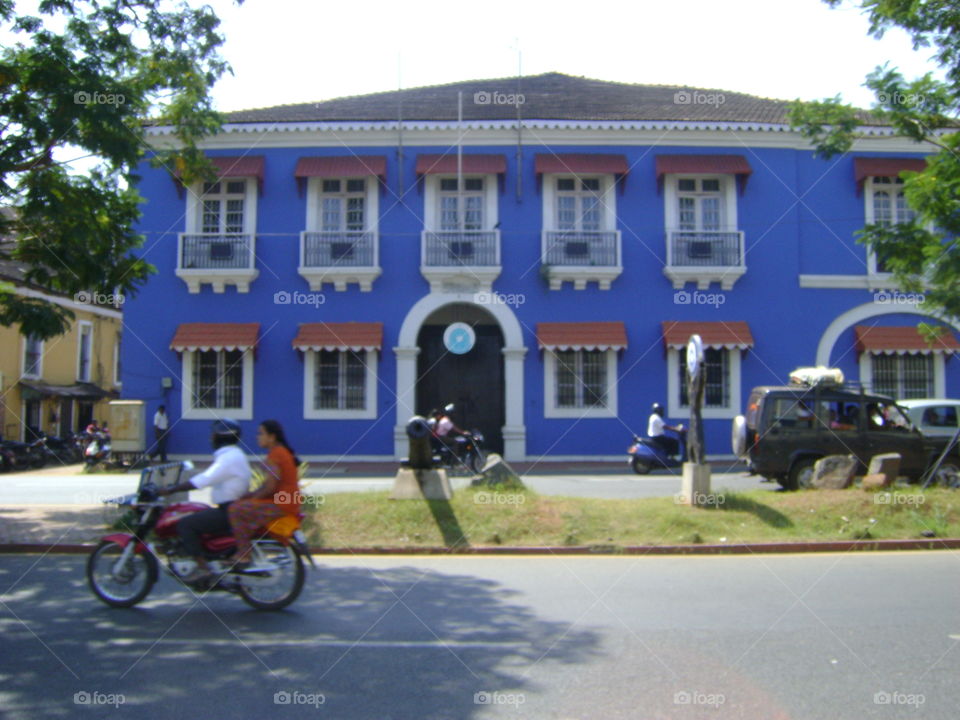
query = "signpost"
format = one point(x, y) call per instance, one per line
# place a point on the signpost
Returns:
point(695, 485)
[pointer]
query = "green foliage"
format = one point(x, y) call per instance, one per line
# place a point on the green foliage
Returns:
point(83, 79)
point(923, 256)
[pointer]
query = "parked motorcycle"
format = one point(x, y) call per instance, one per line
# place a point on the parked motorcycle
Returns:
point(25, 455)
point(97, 451)
point(64, 449)
point(124, 567)
point(7, 459)
point(461, 452)
point(645, 454)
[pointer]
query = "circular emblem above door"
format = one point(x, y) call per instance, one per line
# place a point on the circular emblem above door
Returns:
point(459, 338)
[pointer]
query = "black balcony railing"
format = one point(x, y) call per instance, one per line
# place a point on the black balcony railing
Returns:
point(473, 248)
point(688, 248)
point(208, 251)
point(339, 249)
point(568, 247)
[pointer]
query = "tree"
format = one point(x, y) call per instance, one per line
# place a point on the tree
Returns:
point(83, 79)
point(924, 255)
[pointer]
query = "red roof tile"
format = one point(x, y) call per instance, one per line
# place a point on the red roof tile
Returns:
point(339, 336)
point(215, 336)
point(342, 166)
point(864, 167)
point(905, 339)
point(734, 334)
point(582, 335)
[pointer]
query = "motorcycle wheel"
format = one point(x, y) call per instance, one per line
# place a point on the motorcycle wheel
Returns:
point(641, 466)
point(476, 460)
point(120, 587)
point(279, 586)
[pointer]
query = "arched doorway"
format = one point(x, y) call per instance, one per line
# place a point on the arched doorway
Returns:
point(472, 381)
point(513, 431)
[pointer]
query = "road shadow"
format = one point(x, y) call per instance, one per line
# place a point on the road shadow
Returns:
point(376, 644)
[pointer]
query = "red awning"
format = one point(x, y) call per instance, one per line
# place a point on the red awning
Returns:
point(471, 164)
point(215, 336)
point(580, 164)
point(354, 336)
point(235, 167)
point(864, 167)
point(704, 165)
point(582, 335)
point(713, 334)
point(901, 340)
point(342, 166)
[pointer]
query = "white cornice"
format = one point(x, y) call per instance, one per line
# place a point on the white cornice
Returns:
point(68, 303)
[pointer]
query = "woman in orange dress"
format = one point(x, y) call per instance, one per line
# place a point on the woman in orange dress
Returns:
point(278, 496)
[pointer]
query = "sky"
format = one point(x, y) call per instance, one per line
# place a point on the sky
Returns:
point(291, 51)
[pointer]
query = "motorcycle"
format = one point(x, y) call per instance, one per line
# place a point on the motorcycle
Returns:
point(25, 455)
point(63, 449)
point(460, 452)
point(645, 454)
point(124, 567)
point(97, 451)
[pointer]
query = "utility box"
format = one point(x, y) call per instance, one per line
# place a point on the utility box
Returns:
point(128, 426)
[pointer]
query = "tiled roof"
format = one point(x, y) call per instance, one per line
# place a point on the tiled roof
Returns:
point(582, 335)
point(904, 339)
point(339, 336)
point(215, 336)
point(551, 96)
point(731, 334)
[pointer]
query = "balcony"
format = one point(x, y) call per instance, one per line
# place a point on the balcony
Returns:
point(339, 258)
point(581, 257)
point(217, 259)
point(460, 261)
point(704, 257)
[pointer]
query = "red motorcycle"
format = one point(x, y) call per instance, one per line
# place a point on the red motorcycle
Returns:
point(124, 567)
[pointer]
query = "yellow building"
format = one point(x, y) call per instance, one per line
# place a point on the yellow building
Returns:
point(61, 384)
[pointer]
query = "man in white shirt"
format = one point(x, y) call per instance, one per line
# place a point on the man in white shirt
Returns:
point(161, 425)
point(229, 479)
point(655, 428)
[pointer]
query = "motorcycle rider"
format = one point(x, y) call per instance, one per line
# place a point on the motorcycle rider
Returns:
point(229, 477)
point(656, 426)
point(443, 427)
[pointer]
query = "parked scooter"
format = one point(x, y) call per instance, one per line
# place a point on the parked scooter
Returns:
point(124, 567)
point(646, 454)
point(97, 451)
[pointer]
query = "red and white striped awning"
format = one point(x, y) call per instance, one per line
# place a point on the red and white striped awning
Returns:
point(737, 165)
point(215, 336)
point(864, 167)
point(355, 336)
point(341, 166)
point(582, 336)
point(580, 164)
point(730, 335)
point(241, 166)
point(905, 340)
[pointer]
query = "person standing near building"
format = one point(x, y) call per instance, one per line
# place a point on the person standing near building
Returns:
point(161, 426)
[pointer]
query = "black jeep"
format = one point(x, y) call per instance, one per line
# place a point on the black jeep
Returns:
point(787, 429)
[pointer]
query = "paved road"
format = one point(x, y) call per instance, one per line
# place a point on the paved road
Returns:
point(60, 489)
point(760, 638)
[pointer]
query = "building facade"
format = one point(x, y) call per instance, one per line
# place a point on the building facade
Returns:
point(536, 253)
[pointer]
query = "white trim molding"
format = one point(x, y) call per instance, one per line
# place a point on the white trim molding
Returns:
point(369, 411)
point(865, 363)
point(550, 408)
point(187, 394)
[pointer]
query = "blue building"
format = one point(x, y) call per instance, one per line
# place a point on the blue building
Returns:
point(537, 253)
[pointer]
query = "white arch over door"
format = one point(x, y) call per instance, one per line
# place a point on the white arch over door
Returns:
point(514, 429)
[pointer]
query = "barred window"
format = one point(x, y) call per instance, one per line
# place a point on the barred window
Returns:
point(218, 379)
point(581, 379)
point(716, 364)
point(903, 376)
point(341, 380)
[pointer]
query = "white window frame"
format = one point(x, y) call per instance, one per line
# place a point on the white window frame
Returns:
point(187, 392)
point(369, 412)
point(194, 210)
point(551, 410)
point(728, 199)
point(117, 380)
point(731, 410)
point(315, 194)
point(432, 195)
point(607, 194)
point(870, 188)
point(23, 361)
point(84, 327)
point(939, 372)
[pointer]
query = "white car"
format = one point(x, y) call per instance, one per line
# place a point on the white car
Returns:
point(935, 417)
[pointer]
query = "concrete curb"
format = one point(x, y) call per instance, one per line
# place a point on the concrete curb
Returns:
point(841, 546)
